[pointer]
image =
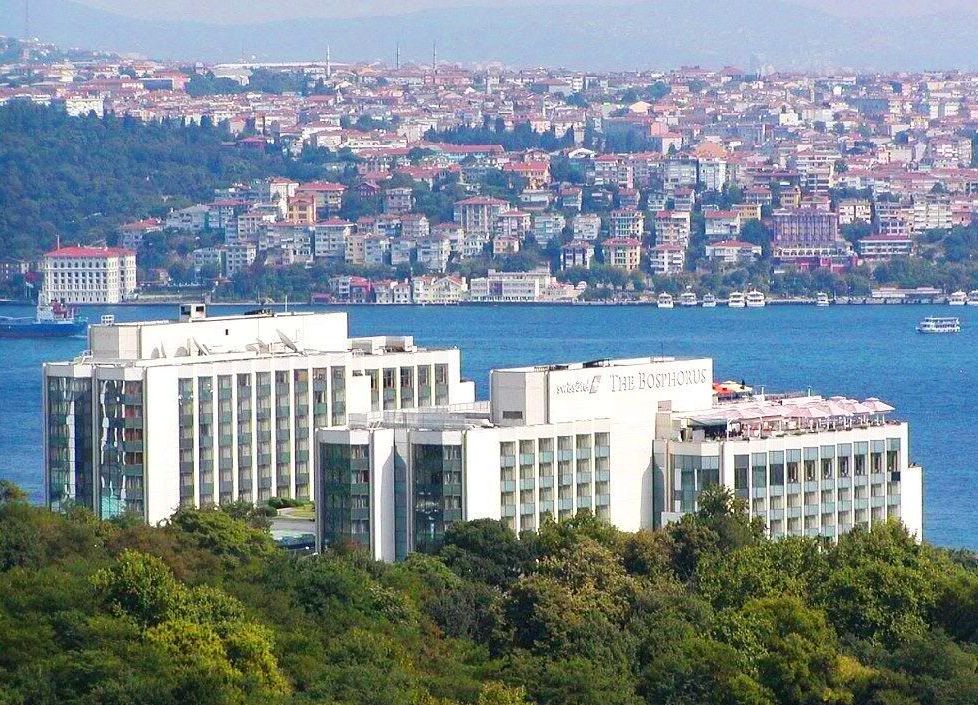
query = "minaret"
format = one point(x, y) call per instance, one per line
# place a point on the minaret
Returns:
point(434, 59)
point(329, 65)
point(397, 56)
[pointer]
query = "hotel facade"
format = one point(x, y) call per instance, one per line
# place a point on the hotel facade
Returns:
point(163, 414)
point(392, 445)
point(633, 441)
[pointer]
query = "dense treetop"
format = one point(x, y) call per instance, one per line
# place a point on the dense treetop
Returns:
point(207, 610)
point(81, 177)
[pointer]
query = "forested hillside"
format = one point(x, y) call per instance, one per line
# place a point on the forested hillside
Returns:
point(206, 610)
point(78, 177)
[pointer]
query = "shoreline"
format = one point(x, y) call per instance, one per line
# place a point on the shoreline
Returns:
point(720, 303)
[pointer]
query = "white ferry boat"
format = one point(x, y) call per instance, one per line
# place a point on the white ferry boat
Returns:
point(687, 298)
point(821, 299)
point(755, 299)
point(937, 324)
point(736, 299)
point(664, 300)
point(973, 297)
point(709, 301)
point(958, 298)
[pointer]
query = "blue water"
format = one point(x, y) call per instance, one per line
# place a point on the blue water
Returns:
point(854, 350)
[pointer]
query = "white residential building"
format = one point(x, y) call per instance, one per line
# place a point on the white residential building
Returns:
point(511, 286)
point(587, 226)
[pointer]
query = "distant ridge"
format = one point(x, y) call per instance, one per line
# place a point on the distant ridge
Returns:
point(644, 34)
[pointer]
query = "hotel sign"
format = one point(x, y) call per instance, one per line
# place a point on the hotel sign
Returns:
point(616, 382)
point(629, 390)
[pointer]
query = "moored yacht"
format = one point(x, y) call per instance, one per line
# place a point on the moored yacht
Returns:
point(958, 298)
point(973, 297)
point(736, 299)
point(709, 301)
point(687, 298)
point(755, 299)
point(821, 299)
point(664, 300)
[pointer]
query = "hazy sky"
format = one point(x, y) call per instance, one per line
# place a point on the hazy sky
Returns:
point(237, 11)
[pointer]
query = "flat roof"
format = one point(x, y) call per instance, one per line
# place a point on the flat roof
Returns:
point(601, 362)
point(205, 319)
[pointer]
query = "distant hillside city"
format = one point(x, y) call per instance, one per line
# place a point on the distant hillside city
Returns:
point(437, 183)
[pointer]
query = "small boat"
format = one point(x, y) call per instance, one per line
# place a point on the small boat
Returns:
point(821, 299)
point(958, 298)
point(736, 299)
point(938, 324)
point(755, 299)
point(664, 300)
point(687, 298)
point(51, 320)
point(709, 301)
point(973, 297)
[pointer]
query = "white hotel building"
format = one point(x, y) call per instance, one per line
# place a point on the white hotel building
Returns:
point(390, 442)
point(163, 414)
point(634, 441)
point(90, 275)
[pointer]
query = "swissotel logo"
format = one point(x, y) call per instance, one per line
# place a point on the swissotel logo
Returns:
point(634, 382)
point(580, 386)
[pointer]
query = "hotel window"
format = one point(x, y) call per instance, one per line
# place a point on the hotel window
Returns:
point(407, 387)
point(526, 461)
point(389, 388)
point(844, 451)
point(759, 470)
point(793, 460)
point(776, 468)
point(892, 454)
point(320, 397)
point(437, 479)
point(545, 458)
point(709, 471)
point(424, 385)
point(741, 471)
point(338, 395)
point(811, 460)
point(828, 462)
point(345, 494)
point(861, 449)
point(877, 448)
point(441, 384)
point(374, 376)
